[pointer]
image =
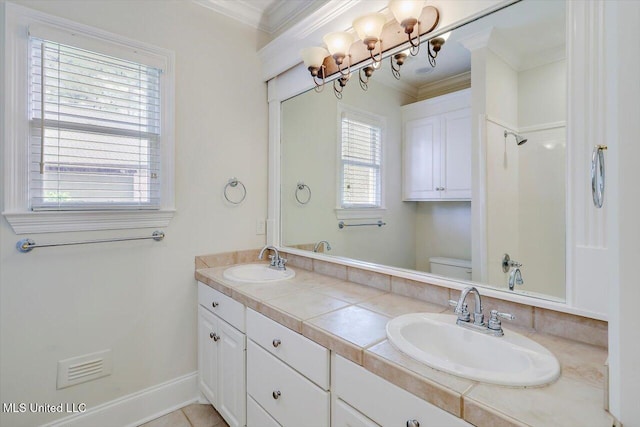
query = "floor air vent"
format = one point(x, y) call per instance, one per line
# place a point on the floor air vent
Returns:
point(83, 368)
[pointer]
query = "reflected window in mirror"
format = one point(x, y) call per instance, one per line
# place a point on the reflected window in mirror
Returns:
point(360, 184)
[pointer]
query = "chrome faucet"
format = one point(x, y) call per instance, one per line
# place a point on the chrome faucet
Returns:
point(493, 327)
point(462, 311)
point(326, 245)
point(277, 261)
point(515, 278)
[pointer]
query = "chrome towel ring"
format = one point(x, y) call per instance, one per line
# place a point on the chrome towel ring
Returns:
point(598, 175)
point(233, 183)
point(300, 186)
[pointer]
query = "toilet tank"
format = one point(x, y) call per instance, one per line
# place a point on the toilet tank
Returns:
point(451, 267)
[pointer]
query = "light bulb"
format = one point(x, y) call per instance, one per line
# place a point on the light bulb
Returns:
point(313, 57)
point(369, 27)
point(406, 11)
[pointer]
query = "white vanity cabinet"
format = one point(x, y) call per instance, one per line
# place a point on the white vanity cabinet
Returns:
point(437, 148)
point(363, 399)
point(287, 376)
point(222, 354)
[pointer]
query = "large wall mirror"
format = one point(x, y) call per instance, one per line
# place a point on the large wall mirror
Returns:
point(417, 173)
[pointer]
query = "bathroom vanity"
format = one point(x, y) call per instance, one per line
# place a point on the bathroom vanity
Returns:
point(317, 355)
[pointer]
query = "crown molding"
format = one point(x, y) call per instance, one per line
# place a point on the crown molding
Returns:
point(269, 19)
point(444, 86)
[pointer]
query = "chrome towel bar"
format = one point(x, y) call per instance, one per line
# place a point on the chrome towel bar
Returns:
point(27, 245)
point(342, 225)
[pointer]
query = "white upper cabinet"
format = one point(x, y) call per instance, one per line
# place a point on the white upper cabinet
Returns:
point(437, 149)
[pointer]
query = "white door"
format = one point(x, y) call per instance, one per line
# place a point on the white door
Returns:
point(232, 398)
point(208, 354)
point(456, 155)
point(422, 159)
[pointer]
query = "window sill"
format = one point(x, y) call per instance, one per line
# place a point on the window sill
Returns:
point(55, 222)
point(362, 213)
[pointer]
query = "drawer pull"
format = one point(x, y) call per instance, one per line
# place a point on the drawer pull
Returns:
point(413, 423)
point(276, 394)
point(214, 336)
point(276, 342)
point(215, 304)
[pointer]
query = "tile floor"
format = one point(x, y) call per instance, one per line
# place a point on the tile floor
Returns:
point(195, 415)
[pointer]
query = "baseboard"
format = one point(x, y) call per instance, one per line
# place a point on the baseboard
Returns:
point(138, 408)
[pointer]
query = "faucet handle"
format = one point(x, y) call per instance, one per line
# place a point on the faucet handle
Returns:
point(282, 263)
point(495, 325)
point(462, 315)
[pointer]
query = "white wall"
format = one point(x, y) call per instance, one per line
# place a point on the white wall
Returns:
point(139, 298)
point(623, 128)
point(443, 229)
point(542, 105)
point(309, 154)
point(542, 94)
point(502, 166)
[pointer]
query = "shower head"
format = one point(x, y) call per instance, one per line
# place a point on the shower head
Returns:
point(519, 139)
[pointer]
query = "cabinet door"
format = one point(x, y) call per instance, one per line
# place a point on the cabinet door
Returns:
point(232, 392)
point(422, 159)
point(208, 355)
point(455, 155)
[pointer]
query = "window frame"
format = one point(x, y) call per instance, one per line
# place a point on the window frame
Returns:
point(15, 117)
point(359, 212)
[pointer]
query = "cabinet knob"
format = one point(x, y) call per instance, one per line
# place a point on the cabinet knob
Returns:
point(276, 342)
point(214, 336)
point(276, 394)
point(214, 304)
point(413, 423)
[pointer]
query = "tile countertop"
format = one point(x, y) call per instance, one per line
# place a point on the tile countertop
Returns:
point(350, 320)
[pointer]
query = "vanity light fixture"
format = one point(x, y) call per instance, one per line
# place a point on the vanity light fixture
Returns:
point(399, 60)
point(313, 58)
point(369, 27)
point(435, 44)
point(407, 13)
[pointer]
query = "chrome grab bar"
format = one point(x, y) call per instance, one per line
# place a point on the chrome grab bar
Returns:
point(342, 225)
point(27, 245)
point(598, 175)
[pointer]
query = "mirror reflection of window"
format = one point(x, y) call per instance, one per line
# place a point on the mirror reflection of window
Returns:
point(360, 158)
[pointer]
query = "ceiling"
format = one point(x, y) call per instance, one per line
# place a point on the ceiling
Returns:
point(525, 35)
point(270, 16)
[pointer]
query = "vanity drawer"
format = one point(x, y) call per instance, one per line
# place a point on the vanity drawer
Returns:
point(383, 402)
point(258, 417)
point(345, 416)
point(221, 305)
point(302, 354)
point(291, 399)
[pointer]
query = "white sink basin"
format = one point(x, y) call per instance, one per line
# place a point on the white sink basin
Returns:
point(436, 340)
point(256, 273)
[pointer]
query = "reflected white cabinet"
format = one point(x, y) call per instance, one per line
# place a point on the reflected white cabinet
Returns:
point(222, 357)
point(363, 399)
point(437, 149)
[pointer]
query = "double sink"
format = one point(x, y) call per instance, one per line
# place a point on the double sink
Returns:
point(437, 341)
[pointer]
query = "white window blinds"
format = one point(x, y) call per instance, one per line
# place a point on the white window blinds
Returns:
point(361, 152)
point(94, 130)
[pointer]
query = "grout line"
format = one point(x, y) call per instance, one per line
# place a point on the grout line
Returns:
point(186, 416)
